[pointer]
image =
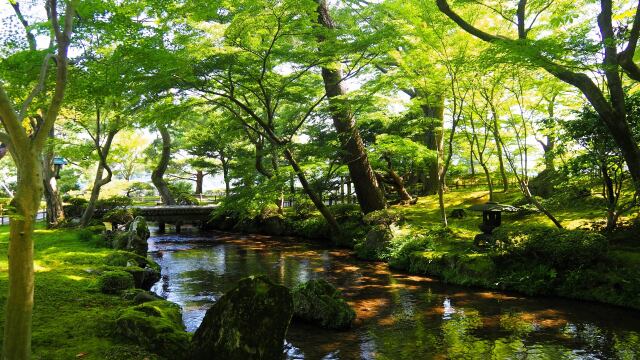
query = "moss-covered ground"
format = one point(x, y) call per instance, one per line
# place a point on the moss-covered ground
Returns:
point(611, 278)
point(72, 319)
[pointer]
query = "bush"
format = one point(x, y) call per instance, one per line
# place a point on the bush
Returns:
point(112, 282)
point(113, 202)
point(75, 206)
point(382, 217)
point(403, 246)
point(556, 248)
point(182, 193)
point(343, 212)
point(119, 216)
point(303, 208)
point(312, 228)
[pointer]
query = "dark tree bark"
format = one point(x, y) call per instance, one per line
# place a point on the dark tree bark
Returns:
point(199, 181)
point(355, 156)
point(157, 175)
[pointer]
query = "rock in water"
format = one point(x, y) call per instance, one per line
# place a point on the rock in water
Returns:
point(247, 323)
point(318, 302)
point(138, 235)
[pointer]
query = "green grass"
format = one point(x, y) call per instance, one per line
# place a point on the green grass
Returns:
point(71, 318)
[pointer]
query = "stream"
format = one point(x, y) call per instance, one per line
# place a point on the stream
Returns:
point(399, 316)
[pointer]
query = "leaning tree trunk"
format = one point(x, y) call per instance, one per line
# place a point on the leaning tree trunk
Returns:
point(397, 182)
point(369, 195)
point(157, 175)
point(498, 142)
point(315, 199)
point(19, 306)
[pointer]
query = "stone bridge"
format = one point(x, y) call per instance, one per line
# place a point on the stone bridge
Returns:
point(176, 214)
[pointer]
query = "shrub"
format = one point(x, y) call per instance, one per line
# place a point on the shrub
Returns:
point(303, 208)
point(403, 246)
point(75, 207)
point(312, 228)
point(344, 212)
point(556, 248)
point(119, 215)
point(381, 217)
point(182, 193)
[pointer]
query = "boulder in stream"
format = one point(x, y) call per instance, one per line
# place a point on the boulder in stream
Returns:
point(319, 302)
point(247, 323)
point(138, 234)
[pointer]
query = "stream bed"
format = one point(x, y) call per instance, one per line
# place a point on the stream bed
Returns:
point(399, 316)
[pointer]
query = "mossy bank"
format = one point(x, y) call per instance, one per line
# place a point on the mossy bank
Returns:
point(72, 317)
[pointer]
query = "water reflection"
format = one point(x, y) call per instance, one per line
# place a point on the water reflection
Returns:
point(398, 316)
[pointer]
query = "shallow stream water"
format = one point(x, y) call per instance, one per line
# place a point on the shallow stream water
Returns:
point(399, 316)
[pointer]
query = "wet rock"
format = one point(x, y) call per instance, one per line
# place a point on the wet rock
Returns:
point(156, 326)
point(137, 236)
point(139, 296)
point(319, 302)
point(145, 271)
point(113, 282)
point(248, 322)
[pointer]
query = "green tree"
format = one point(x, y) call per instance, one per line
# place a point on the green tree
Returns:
point(26, 146)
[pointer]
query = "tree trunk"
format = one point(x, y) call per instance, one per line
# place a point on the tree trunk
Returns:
point(487, 174)
point(527, 194)
point(498, 142)
point(369, 195)
point(157, 176)
point(317, 201)
point(99, 181)
point(397, 182)
point(225, 176)
point(95, 194)
point(55, 213)
point(19, 308)
point(199, 181)
point(473, 169)
point(433, 141)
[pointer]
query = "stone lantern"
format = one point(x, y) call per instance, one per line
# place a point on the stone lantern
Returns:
point(491, 219)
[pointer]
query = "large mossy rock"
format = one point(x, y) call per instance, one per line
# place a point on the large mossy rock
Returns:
point(145, 271)
point(248, 322)
point(113, 282)
point(156, 326)
point(319, 302)
point(137, 236)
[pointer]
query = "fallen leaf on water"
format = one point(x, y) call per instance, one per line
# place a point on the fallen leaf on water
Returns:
point(82, 354)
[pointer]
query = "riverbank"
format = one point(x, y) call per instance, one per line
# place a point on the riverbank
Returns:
point(531, 256)
point(72, 318)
